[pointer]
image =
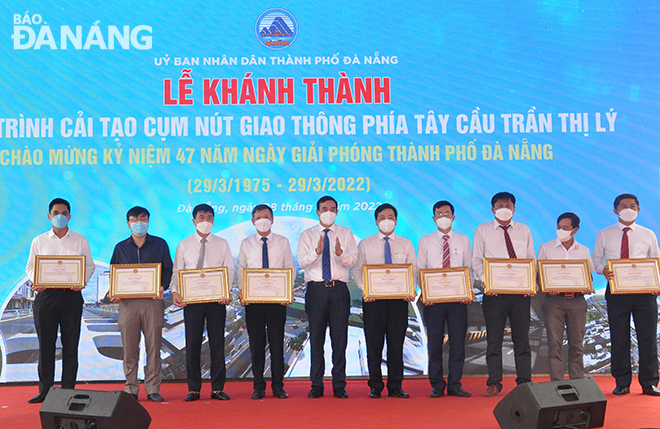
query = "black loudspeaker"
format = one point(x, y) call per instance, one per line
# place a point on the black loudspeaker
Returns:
point(91, 409)
point(556, 404)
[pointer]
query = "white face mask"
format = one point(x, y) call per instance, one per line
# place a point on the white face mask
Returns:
point(386, 226)
point(263, 224)
point(443, 222)
point(204, 227)
point(564, 236)
point(328, 218)
point(627, 215)
point(504, 214)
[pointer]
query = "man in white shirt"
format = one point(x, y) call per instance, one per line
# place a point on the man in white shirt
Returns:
point(445, 248)
point(265, 249)
point(565, 310)
point(627, 240)
point(385, 318)
point(58, 307)
point(203, 250)
point(326, 252)
point(504, 238)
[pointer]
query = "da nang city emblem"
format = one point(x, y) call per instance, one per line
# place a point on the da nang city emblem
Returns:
point(276, 28)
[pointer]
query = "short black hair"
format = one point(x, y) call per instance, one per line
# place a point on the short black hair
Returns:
point(442, 204)
point(618, 199)
point(136, 211)
point(323, 200)
point(575, 220)
point(260, 207)
point(59, 201)
point(203, 208)
point(386, 206)
point(502, 196)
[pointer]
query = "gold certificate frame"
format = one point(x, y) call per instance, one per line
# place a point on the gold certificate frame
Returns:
point(634, 275)
point(565, 275)
point(203, 285)
point(130, 281)
point(388, 281)
point(446, 285)
point(59, 271)
point(267, 286)
point(510, 276)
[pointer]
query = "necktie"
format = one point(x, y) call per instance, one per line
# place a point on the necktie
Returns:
point(507, 240)
point(264, 253)
point(388, 251)
point(446, 260)
point(202, 252)
point(625, 253)
point(325, 262)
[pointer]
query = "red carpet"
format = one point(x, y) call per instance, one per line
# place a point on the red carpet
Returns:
point(631, 411)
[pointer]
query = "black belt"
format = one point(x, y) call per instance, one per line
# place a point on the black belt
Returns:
point(331, 283)
point(59, 290)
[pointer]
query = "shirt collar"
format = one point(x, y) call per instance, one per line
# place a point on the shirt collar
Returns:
point(332, 227)
point(382, 236)
point(442, 234)
point(199, 237)
point(621, 226)
point(558, 243)
point(51, 233)
point(130, 240)
point(496, 224)
point(258, 237)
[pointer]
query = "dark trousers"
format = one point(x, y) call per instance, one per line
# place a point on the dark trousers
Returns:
point(214, 314)
point(385, 319)
point(262, 319)
point(644, 311)
point(328, 306)
point(53, 308)
point(496, 310)
point(455, 316)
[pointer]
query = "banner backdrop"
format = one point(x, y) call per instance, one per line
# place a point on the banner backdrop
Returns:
point(165, 105)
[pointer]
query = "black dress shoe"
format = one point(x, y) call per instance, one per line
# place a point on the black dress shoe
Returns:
point(620, 390)
point(258, 394)
point(651, 391)
point(155, 397)
point(458, 391)
point(316, 392)
point(340, 393)
point(220, 395)
point(398, 393)
point(437, 392)
point(37, 399)
point(192, 396)
point(280, 393)
point(134, 396)
point(375, 393)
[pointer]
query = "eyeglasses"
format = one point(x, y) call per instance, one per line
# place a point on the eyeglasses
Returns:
point(138, 219)
point(445, 214)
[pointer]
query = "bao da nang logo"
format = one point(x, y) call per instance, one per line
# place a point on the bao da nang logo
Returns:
point(276, 28)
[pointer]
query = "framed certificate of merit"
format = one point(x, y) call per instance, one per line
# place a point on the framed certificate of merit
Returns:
point(267, 286)
point(510, 276)
point(59, 272)
point(565, 275)
point(388, 281)
point(130, 281)
point(446, 285)
point(634, 275)
point(203, 285)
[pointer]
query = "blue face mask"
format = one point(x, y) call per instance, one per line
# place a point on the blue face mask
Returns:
point(139, 228)
point(60, 221)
